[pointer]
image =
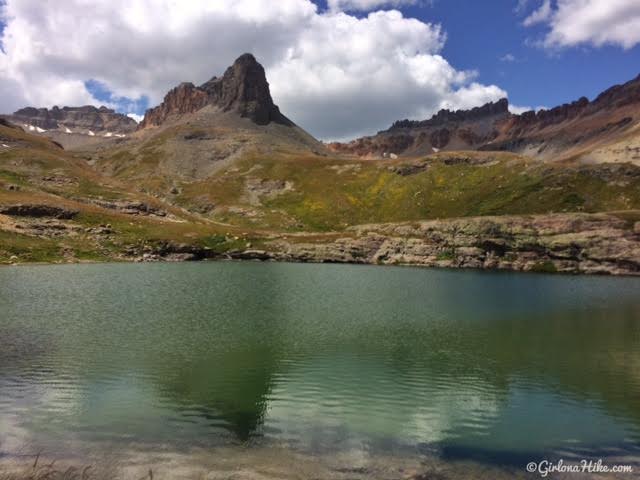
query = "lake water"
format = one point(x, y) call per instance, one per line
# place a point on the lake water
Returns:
point(380, 362)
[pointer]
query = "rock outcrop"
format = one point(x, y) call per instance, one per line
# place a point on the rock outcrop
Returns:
point(185, 98)
point(88, 117)
point(242, 89)
point(568, 243)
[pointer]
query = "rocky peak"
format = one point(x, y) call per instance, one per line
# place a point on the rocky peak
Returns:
point(242, 89)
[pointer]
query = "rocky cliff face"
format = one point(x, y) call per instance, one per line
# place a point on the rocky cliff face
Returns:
point(560, 132)
point(460, 129)
point(569, 243)
point(185, 98)
point(242, 89)
point(612, 99)
point(88, 117)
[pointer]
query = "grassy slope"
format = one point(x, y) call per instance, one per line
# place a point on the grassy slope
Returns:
point(327, 194)
point(330, 194)
point(45, 174)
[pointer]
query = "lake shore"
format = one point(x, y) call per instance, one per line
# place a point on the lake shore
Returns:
point(267, 463)
point(572, 243)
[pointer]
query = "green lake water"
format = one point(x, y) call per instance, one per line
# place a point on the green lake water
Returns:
point(495, 367)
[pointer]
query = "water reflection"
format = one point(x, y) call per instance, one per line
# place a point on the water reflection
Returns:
point(319, 358)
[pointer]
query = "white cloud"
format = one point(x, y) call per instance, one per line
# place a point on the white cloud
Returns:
point(540, 15)
point(590, 22)
point(135, 116)
point(509, 58)
point(518, 110)
point(334, 74)
point(365, 5)
point(473, 95)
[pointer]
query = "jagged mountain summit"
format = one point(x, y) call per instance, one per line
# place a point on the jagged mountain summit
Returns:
point(599, 130)
point(196, 131)
point(242, 89)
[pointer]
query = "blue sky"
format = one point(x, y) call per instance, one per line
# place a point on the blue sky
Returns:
point(101, 92)
point(480, 33)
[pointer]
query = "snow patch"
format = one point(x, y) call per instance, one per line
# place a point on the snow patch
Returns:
point(435, 149)
point(91, 134)
point(5, 145)
point(66, 130)
point(40, 130)
point(120, 135)
point(108, 134)
point(31, 128)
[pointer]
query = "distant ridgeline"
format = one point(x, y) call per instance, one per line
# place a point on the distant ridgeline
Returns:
point(74, 120)
point(560, 132)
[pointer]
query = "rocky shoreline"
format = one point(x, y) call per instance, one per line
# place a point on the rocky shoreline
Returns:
point(563, 243)
point(576, 243)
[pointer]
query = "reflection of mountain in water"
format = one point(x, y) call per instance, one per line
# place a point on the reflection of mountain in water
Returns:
point(396, 357)
point(232, 387)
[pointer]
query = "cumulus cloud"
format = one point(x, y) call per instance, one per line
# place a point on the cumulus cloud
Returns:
point(589, 22)
point(518, 110)
point(138, 118)
point(335, 74)
point(365, 5)
point(540, 15)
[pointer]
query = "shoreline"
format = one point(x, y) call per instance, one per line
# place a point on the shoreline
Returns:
point(570, 243)
point(224, 259)
point(275, 462)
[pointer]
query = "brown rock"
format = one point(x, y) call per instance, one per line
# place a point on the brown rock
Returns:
point(185, 98)
point(242, 89)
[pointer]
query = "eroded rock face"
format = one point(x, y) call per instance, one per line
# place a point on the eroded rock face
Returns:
point(88, 117)
point(242, 89)
point(569, 243)
point(549, 133)
point(440, 138)
point(474, 127)
point(184, 98)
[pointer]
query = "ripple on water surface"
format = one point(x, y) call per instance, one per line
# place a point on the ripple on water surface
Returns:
point(319, 358)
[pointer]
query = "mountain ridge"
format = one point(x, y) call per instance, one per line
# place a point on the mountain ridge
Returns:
point(84, 118)
point(218, 174)
point(560, 131)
